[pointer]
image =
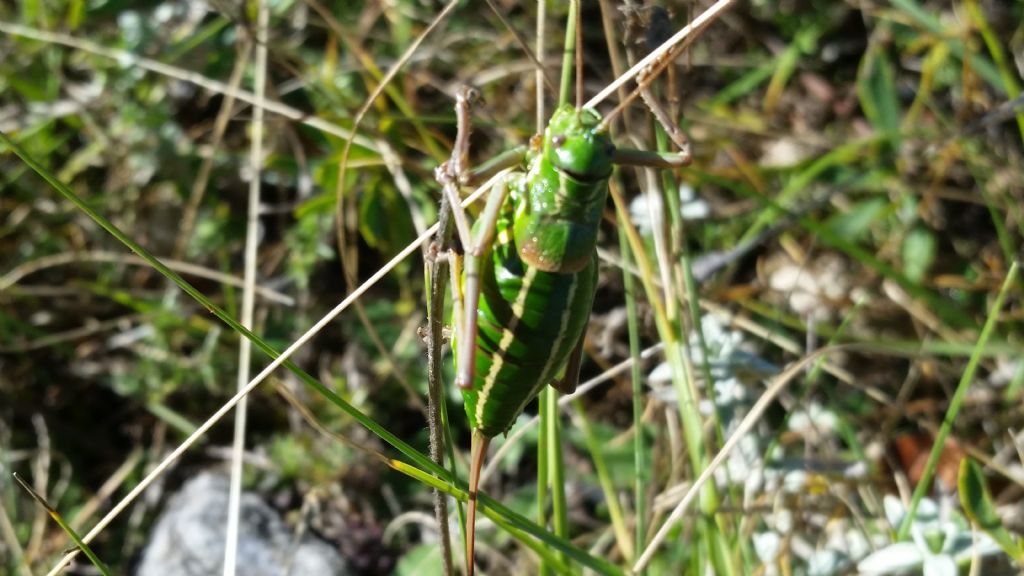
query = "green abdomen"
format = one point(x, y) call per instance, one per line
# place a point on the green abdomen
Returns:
point(529, 322)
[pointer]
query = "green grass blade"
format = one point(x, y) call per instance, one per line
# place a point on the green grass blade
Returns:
point(552, 420)
point(420, 459)
point(978, 506)
point(64, 526)
point(995, 49)
point(876, 89)
point(640, 469)
point(541, 501)
point(605, 478)
point(924, 484)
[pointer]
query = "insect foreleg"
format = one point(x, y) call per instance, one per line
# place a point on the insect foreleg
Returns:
point(643, 81)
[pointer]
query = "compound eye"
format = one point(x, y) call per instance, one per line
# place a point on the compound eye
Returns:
point(557, 141)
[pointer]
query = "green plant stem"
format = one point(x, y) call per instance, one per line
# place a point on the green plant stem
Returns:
point(995, 49)
point(569, 54)
point(542, 472)
point(556, 470)
point(607, 486)
point(640, 470)
point(691, 419)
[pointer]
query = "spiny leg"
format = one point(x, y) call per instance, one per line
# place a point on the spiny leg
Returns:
point(466, 284)
point(644, 79)
point(476, 249)
point(435, 385)
point(654, 159)
point(658, 30)
point(436, 257)
point(450, 175)
point(650, 158)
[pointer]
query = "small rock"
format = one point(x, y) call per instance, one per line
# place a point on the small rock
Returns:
point(188, 538)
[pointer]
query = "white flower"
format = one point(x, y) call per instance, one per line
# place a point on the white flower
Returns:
point(813, 421)
point(938, 543)
point(690, 207)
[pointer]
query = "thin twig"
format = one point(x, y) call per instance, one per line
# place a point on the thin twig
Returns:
point(114, 482)
point(41, 480)
point(71, 335)
point(435, 384)
point(10, 539)
point(542, 78)
point(248, 293)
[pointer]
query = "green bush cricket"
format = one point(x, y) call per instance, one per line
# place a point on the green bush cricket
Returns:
point(523, 298)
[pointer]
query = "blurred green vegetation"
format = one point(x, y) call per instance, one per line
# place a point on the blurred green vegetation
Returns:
point(875, 147)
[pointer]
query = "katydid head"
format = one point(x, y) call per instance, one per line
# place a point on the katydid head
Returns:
point(558, 216)
point(577, 147)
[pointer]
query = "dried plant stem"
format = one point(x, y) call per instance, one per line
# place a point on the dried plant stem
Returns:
point(248, 293)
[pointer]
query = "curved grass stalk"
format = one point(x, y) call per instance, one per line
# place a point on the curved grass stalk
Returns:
point(348, 256)
point(693, 432)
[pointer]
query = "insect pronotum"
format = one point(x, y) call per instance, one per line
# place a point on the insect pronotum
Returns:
point(523, 296)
